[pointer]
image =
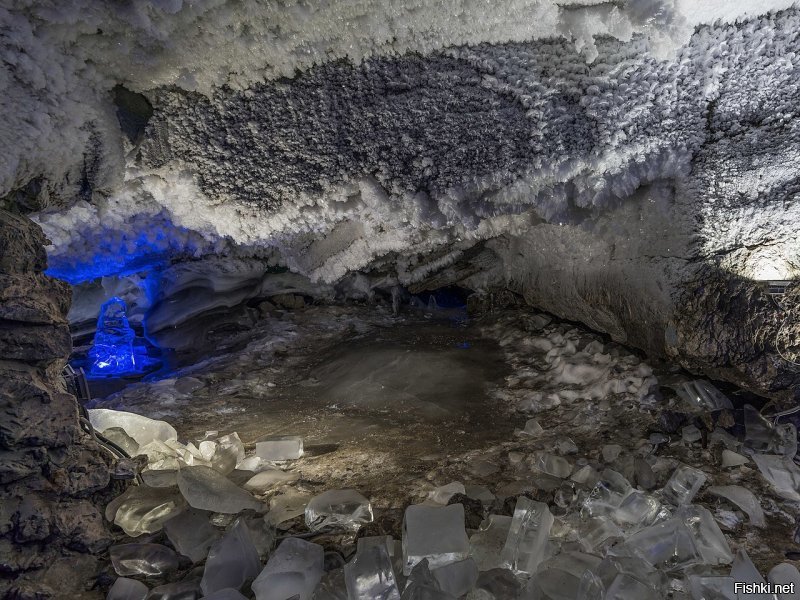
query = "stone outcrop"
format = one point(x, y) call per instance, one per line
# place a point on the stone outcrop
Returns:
point(52, 475)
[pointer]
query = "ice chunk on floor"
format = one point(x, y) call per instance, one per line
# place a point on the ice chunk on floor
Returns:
point(533, 428)
point(689, 538)
point(552, 465)
point(206, 489)
point(345, 509)
point(743, 570)
point(223, 453)
point(370, 575)
point(191, 533)
point(691, 434)
point(683, 486)
point(127, 589)
point(611, 452)
point(178, 590)
point(268, 479)
point(638, 509)
point(744, 499)
point(705, 587)
point(295, 568)
point(559, 578)
point(627, 587)
point(287, 506)
point(256, 464)
point(277, 448)
point(142, 429)
point(782, 473)
point(527, 537)
point(732, 459)
point(702, 395)
point(457, 578)
point(785, 574)
point(706, 535)
point(480, 493)
point(117, 435)
point(141, 509)
point(487, 543)
point(435, 533)
point(496, 584)
point(441, 495)
point(232, 560)
point(143, 559)
point(597, 532)
point(226, 594)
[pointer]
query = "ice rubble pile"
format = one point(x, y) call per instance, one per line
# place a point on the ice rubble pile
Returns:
point(586, 532)
point(554, 365)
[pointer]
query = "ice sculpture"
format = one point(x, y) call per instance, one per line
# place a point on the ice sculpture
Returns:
point(113, 351)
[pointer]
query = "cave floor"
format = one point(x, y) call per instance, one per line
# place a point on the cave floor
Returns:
point(396, 406)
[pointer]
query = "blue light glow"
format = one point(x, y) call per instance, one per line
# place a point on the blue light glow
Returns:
point(115, 351)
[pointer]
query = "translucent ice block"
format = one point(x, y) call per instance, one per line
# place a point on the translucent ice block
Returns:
point(435, 533)
point(127, 589)
point(191, 533)
point(532, 428)
point(743, 570)
point(231, 561)
point(598, 531)
point(744, 499)
point(142, 429)
point(294, 569)
point(284, 447)
point(552, 464)
point(702, 395)
point(638, 509)
point(683, 486)
point(226, 594)
point(141, 509)
point(287, 506)
point(143, 559)
point(206, 489)
point(781, 473)
point(268, 479)
point(527, 537)
point(118, 436)
point(559, 578)
point(708, 539)
point(346, 509)
point(442, 494)
point(369, 576)
point(486, 544)
point(705, 587)
point(457, 578)
point(785, 574)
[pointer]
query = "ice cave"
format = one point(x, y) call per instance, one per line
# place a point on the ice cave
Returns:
point(399, 300)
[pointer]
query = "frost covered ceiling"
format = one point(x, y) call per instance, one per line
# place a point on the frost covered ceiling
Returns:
point(607, 160)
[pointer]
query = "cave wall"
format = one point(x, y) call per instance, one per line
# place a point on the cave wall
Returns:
point(51, 474)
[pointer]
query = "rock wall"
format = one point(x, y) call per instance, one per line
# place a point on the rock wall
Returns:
point(50, 471)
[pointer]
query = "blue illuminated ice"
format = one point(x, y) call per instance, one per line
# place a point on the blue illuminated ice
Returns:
point(112, 352)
